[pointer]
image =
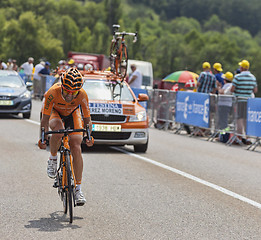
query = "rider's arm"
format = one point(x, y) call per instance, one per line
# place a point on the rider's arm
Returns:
point(87, 121)
point(45, 122)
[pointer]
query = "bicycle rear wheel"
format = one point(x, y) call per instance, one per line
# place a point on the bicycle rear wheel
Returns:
point(123, 62)
point(69, 193)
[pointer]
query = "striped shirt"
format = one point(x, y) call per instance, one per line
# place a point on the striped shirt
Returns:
point(244, 83)
point(207, 82)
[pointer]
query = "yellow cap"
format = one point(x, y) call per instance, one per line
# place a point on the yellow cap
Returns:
point(206, 65)
point(228, 76)
point(218, 67)
point(71, 61)
point(244, 64)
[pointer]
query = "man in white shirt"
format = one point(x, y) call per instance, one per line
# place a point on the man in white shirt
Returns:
point(28, 68)
point(3, 66)
point(135, 80)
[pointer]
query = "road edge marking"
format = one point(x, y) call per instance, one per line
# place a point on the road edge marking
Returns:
point(191, 177)
point(32, 121)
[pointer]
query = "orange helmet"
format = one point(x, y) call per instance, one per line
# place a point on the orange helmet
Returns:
point(72, 79)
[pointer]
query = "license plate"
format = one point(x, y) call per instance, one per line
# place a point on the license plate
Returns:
point(106, 128)
point(6, 102)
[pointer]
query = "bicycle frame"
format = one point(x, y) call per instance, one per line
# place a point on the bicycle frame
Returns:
point(65, 149)
point(119, 53)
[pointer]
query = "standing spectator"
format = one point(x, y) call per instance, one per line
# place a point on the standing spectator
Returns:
point(206, 80)
point(15, 67)
point(71, 63)
point(135, 79)
point(3, 66)
point(225, 102)
point(10, 64)
point(37, 78)
point(243, 85)
point(45, 70)
point(217, 69)
point(28, 68)
point(43, 73)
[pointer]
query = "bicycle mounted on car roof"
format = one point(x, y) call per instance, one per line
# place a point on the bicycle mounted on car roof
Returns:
point(119, 52)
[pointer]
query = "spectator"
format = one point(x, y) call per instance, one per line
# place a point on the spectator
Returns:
point(45, 70)
point(28, 68)
point(206, 80)
point(217, 69)
point(135, 79)
point(15, 67)
point(10, 64)
point(61, 65)
point(37, 78)
point(43, 73)
point(3, 66)
point(71, 63)
point(243, 85)
point(225, 102)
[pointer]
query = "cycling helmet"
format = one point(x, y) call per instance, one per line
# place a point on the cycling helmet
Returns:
point(72, 79)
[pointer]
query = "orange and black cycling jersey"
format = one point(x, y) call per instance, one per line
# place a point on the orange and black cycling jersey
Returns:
point(54, 99)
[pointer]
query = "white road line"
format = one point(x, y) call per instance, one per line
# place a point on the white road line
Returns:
point(31, 121)
point(191, 177)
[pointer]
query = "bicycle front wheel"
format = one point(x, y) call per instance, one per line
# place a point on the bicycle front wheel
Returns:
point(113, 55)
point(69, 189)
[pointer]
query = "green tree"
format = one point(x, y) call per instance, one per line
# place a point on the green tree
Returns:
point(68, 32)
point(114, 12)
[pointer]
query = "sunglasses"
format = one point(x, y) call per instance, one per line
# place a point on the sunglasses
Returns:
point(66, 91)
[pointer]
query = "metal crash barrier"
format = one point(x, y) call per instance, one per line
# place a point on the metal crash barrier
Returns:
point(208, 115)
point(42, 85)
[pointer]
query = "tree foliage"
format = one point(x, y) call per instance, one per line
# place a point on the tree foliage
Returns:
point(173, 34)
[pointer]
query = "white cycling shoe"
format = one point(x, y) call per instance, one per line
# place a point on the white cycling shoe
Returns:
point(51, 168)
point(79, 198)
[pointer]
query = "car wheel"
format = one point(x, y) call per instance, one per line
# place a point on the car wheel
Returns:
point(27, 115)
point(142, 148)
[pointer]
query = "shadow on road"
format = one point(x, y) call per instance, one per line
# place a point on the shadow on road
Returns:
point(101, 149)
point(57, 221)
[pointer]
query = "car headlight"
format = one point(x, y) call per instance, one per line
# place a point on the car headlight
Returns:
point(138, 117)
point(26, 95)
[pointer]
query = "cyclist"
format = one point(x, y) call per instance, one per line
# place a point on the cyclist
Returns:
point(61, 109)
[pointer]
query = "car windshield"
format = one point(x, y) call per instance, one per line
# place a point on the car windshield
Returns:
point(10, 81)
point(106, 90)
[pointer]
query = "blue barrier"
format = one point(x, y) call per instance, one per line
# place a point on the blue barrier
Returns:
point(49, 82)
point(192, 108)
point(137, 91)
point(253, 127)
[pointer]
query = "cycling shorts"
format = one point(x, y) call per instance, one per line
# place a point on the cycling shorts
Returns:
point(73, 120)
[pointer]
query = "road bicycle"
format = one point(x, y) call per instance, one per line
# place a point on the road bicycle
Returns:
point(119, 52)
point(65, 180)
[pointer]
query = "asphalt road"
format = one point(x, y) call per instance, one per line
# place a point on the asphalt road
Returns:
point(182, 188)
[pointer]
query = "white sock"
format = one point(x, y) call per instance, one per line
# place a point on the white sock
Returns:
point(53, 157)
point(78, 187)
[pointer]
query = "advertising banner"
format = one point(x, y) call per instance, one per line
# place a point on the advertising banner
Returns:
point(254, 117)
point(192, 108)
point(49, 81)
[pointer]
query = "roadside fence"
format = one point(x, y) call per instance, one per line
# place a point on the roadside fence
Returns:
point(217, 117)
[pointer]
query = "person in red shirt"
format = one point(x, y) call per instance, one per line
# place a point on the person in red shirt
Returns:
point(61, 109)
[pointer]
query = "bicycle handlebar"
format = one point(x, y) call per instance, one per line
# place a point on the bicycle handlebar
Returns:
point(127, 33)
point(65, 131)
